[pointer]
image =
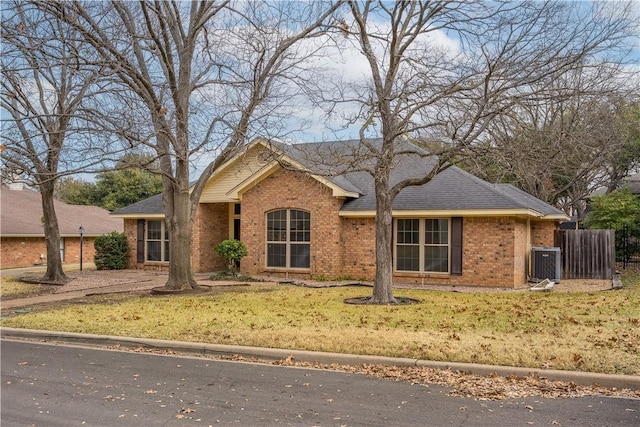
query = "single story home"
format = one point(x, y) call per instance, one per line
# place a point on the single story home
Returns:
point(299, 220)
point(22, 232)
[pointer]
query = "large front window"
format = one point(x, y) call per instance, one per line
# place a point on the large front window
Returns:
point(288, 238)
point(157, 241)
point(422, 245)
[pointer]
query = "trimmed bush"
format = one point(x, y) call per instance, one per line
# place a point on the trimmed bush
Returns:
point(111, 251)
point(231, 250)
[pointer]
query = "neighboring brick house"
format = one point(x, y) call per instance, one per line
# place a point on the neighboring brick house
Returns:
point(455, 230)
point(22, 232)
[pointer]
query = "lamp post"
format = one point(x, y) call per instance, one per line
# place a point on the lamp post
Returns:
point(81, 230)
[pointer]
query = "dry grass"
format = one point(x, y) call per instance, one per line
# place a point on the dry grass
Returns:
point(597, 331)
point(11, 288)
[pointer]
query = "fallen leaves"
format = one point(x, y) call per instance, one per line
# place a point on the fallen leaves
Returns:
point(493, 387)
point(459, 383)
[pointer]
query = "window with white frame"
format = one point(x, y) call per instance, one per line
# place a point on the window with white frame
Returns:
point(157, 241)
point(288, 238)
point(422, 245)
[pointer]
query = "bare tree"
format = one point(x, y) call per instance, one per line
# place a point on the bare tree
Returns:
point(444, 70)
point(626, 134)
point(563, 149)
point(44, 89)
point(205, 75)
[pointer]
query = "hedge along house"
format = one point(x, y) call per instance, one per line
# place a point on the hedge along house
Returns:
point(298, 220)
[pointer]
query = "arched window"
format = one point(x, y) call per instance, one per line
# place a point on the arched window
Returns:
point(288, 238)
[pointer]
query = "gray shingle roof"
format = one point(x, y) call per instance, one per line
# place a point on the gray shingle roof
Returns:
point(151, 206)
point(345, 162)
point(21, 215)
point(453, 189)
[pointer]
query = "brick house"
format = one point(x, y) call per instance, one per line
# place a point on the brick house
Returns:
point(299, 221)
point(22, 232)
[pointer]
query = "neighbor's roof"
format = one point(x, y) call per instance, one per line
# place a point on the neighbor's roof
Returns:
point(344, 164)
point(632, 182)
point(21, 216)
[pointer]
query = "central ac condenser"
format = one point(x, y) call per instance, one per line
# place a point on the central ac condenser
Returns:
point(545, 264)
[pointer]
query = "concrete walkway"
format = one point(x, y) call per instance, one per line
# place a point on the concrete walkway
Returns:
point(81, 285)
point(91, 282)
point(65, 296)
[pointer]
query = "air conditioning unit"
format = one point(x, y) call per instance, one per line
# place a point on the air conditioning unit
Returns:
point(545, 264)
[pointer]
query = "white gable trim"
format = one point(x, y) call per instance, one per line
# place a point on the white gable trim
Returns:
point(235, 192)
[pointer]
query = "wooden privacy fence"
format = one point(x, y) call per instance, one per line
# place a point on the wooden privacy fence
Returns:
point(586, 254)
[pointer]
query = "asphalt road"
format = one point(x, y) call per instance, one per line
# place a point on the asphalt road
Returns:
point(56, 385)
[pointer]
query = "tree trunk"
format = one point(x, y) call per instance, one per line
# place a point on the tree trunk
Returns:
point(54, 273)
point(178, 222)
point(383, 285)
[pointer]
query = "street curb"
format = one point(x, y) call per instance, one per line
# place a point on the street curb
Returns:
point(581, 378)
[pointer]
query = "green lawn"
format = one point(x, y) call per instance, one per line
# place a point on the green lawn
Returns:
point(597, 332)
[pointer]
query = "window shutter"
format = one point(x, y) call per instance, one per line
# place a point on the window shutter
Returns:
point(140, 242)
point(456, 246)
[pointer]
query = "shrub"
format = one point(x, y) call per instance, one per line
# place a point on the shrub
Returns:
point(231, 250)
point(111, 251)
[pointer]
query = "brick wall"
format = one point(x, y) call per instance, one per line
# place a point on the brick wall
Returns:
point(26, 251)
point(495, 249)
point(131, 231)
point(211, 226)
point(490, 255)
point(495, 252)
point(488, 250)
point(542, 233)
point(359, 242)
point(287, 189)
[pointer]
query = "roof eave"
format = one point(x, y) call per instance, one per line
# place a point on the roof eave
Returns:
point(139, 215)
point(524, 213)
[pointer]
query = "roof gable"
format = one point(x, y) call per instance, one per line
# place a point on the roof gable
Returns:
point(259, 160)
point(243, 169)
